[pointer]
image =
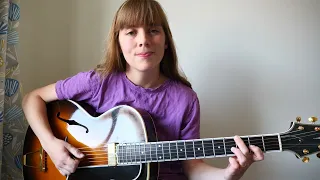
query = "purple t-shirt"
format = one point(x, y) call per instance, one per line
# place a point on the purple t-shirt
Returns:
point(173, 106)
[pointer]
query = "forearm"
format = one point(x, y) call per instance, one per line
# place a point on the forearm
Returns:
point(36, 114)
point(198, 170)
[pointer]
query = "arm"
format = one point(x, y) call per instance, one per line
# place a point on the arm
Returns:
point(78, 87)
point(199, 170)
point(34, 107)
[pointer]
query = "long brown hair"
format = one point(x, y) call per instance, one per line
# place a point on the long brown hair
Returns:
point(133, 13)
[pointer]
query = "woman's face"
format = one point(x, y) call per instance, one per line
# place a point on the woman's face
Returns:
point(142, 47)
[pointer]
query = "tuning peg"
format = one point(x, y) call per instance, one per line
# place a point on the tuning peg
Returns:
point(306, 159)
point(313, 119)
point(298, 119)
point(318, 155)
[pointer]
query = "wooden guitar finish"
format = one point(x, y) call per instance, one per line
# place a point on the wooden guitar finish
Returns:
point(79, 126)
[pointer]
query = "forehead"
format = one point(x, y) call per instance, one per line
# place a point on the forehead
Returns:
point(141, 27)
point(144, 13)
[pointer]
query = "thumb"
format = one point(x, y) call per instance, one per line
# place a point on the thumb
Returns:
point(74, 151)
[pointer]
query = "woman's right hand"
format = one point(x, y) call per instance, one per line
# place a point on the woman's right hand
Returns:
point(60, 152)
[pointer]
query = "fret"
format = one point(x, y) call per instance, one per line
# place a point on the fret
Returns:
point(257, 141)
point(185, 150)
point(181, 150)
point(249, 144)
point(271, 143)
point(134, 153)
point(143, 152)
point(133, 157)
point(166, 151)
point(131, 153)
point(148, 152)
point(169, 150)
point(119, 149)
point(160, 152)
point(208, 147)
point(219, 147)
point(214, 151)
point(173, 150)
point(245, 140)
point(204, 154)
point(153, 152)
point(198, 148)
point(224, 146)
point(264, 147)
point(137, 153)
point(126, 153)
point(128, 147)
point(123, 154)
point(190, 149)
point(229, 144)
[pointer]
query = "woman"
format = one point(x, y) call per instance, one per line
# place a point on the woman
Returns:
point(140, 69)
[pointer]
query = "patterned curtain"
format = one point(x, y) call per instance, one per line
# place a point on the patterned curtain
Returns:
point(12, 121)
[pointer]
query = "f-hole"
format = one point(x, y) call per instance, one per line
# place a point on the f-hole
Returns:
point(71, 122)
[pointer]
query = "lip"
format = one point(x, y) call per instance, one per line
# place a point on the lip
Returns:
point(144, 54)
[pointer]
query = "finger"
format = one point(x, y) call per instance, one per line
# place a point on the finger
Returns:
point(70, 165)
point(64, 172)
point(74, 151)
point(242, 146)
point(257, 153)
point(243, 161)
point(234, 163)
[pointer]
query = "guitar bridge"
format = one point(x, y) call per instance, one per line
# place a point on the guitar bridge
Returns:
point(40, 156)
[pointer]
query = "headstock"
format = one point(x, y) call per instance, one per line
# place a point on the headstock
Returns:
point(302, 139)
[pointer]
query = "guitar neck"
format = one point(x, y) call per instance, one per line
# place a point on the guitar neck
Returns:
point(133, 153)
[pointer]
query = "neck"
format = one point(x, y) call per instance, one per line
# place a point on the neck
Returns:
point(150, 79)
point(131, 153)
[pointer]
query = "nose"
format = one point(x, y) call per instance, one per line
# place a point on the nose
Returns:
point(143, 38)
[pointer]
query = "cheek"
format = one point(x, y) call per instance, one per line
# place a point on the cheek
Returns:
point(126, 45)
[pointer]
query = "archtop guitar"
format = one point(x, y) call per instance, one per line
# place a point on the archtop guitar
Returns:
point(122, 143)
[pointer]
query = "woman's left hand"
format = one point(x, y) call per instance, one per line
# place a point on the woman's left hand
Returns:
point(242, 160)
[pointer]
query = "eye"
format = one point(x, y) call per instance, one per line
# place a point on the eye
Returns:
point(154, 31)
point(130, 33)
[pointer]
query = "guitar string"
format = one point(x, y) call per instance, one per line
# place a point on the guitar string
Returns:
point(253, 141)
point(173, 142)
point(128, 159)
point(244, 138)
point(186, 150)
point(146, 154)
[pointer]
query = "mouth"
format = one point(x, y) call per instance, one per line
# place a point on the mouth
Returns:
point(144, 54)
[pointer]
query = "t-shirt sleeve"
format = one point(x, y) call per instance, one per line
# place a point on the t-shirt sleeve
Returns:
point(79, 87)
point(190, 128)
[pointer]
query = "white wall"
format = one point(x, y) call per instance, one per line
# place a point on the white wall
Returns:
point(44, 31)
point(256, 63)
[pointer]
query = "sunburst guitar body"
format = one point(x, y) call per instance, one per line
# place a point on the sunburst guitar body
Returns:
point(94, 135)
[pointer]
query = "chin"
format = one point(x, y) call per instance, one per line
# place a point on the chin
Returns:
point(146, 68)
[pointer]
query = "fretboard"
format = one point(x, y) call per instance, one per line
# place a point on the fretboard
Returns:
point(133, 153)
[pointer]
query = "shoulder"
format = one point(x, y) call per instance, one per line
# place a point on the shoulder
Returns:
point(92, 76)
point(183, 92)
point(184, 97)
point(80, 86)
